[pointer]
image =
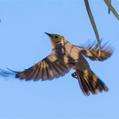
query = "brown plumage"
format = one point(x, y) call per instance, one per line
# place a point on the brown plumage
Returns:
point(63, 57)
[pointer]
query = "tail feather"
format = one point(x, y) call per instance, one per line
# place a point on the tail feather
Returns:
point(90, 83)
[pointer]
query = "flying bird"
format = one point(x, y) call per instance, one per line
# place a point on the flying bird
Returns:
point(65, 56)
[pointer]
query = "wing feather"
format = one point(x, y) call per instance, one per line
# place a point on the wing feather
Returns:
point(47, 69)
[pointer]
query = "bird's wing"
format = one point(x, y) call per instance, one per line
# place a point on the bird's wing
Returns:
point(48, 68)
point(92, 52)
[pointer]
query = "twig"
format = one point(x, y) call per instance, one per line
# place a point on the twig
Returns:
point(112, 9)
point(93, 23)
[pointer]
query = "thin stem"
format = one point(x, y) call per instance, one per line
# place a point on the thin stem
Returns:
point(110, 1)
point(93, 23)
point(112, 9)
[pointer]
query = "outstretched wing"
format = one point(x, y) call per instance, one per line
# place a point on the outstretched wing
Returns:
point(48, 68)
point(93, 53)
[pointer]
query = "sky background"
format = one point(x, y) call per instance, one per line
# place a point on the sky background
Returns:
point(23, 43)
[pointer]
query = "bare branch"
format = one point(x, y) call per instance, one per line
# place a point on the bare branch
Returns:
point(112, 9)
point(93, 23)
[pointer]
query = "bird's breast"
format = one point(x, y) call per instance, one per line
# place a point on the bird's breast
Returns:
point(72, 51)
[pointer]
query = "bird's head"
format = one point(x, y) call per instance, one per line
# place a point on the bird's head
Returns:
point(56, 39)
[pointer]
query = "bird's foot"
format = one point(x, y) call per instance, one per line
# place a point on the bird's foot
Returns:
point(74, 75)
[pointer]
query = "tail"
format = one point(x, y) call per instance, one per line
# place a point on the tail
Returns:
point(89, 82)
point(93, 53)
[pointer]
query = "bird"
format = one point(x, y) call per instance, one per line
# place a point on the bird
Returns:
point(65, 56)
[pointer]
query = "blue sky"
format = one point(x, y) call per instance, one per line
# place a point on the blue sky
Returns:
point(23, 43)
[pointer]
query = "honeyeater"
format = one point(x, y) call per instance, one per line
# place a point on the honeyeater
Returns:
point(65, 56)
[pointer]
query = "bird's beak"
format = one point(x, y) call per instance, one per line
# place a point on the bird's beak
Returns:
point(50, 35)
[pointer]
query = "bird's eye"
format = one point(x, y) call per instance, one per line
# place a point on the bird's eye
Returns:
point(56, 36)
